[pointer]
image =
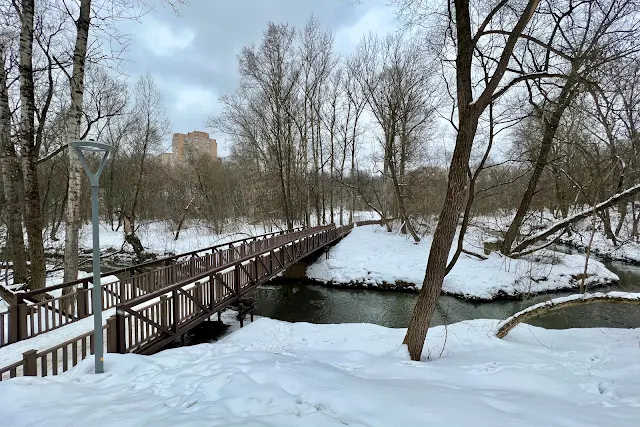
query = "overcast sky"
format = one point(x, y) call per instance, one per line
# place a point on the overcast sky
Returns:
point(192, 57)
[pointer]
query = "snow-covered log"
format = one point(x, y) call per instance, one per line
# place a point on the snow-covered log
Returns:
point(563, 302)
point(560, 225)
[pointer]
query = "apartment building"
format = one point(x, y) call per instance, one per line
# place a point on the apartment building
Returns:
point(193, 143)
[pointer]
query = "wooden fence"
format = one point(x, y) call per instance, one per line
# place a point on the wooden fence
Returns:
point(55, 360)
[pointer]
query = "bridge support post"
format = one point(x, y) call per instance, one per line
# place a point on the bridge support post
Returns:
point(14, 322)
point(17, 321)
point(123, 289)
point(197, 295)
point(164, 311)
point(256, 261)
point(236, 280)
point(176, 310)
point(212, 292)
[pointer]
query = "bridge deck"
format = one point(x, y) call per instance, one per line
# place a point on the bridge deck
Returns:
point(144, 312)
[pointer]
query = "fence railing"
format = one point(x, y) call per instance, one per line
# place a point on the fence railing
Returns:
point(146, 323)
point(160, 315)
point(36, 312)
point(55, 360)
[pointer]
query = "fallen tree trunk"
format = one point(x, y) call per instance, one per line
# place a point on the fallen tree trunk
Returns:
point(560, 303)
point(560, 225)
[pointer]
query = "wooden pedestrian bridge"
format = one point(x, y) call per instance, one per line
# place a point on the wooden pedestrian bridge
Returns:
point(49, 330)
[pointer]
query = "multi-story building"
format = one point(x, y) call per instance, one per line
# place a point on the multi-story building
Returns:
point(194, 143)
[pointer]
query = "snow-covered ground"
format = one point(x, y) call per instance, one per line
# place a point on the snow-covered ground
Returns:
point(369, 256)
point(279, 374)
point(626, 248)
point(158, 237)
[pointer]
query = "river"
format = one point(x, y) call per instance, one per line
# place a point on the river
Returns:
point(303, 302)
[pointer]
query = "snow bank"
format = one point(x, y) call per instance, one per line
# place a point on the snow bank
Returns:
point(278, 374)
point(369, 256)
point(158, 237)
point(627, 250)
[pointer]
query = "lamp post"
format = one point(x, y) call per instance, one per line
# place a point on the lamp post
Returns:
point(80, 148)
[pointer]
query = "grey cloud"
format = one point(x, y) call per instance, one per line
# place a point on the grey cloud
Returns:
point(220, 29)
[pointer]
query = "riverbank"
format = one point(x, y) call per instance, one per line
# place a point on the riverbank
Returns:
point(625, 249)
point(273, 373)
point(370, 257)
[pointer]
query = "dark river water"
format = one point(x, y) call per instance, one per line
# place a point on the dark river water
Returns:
point(303, 302)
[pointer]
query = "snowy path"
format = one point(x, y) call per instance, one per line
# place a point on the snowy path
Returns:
point(278, 374)
point(372, 257)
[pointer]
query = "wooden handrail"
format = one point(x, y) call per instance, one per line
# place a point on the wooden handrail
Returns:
point(156, 294)
point(290, 248)
point(89, 279)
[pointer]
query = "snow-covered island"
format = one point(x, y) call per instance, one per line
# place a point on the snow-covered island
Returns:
point(370, 257)
point(278, 374)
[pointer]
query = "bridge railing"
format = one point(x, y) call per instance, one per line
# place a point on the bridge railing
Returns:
point(189, 304)
point(54, 360)
point(36, 312)
point(149, 322)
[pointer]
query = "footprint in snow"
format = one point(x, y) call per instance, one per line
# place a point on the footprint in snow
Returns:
point(494, 367)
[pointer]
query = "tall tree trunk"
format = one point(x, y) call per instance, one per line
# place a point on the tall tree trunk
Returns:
point(560, 193)
point(29, 149)
point(353, 174)
point(397, 187)
point(635, 220)
point(468, 115)
point(12, 183)
point(606, 224)
point(445, 230)
point(550, 127)
point(622, 213)
point(72, 222)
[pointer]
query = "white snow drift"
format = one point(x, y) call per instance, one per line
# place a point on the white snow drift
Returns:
point(372, 257)
point(278, 374)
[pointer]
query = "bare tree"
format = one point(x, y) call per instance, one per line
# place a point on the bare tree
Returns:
point(401, 97)
point(11, 178)
point(28, 145)
point(470, 108)
point(568, 60)
point(76, 80)
point(152, 126)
